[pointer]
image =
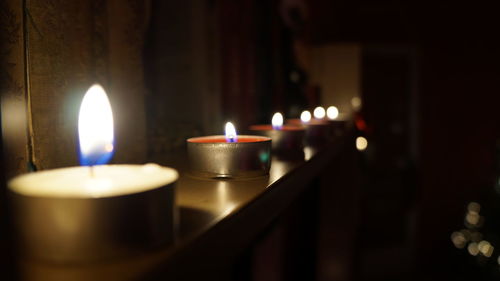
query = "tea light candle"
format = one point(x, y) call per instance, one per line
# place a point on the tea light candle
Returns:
point(305, 117)
point(80, 214)
point(319, 112)
point(229, 156)
point(337, 123)
point(286, 138)
point(332, 112)
point(317, 130)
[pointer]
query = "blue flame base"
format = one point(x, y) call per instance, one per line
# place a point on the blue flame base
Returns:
point(98, 158)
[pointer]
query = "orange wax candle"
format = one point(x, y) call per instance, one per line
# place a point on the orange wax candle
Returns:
point(222, 139)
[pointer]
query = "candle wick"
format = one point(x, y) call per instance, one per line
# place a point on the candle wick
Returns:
point(91, 170)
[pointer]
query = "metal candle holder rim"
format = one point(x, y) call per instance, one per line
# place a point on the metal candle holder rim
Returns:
point(261, 139)
point(220, 159)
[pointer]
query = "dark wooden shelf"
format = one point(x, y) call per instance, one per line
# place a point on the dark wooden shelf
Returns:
point(218, 220)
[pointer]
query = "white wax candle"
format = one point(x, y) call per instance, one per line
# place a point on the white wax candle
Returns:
point(105, 181)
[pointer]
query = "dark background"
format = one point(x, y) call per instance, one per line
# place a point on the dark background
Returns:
point(430, 84)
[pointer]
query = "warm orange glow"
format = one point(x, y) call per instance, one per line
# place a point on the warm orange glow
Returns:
point(225, 203)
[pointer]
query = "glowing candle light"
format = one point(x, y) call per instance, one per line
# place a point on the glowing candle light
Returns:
point(277, 121)
point(332, 112)
point(230, 131)
point(60, 213)
point(95, 128)
point(229, 155)
point(337, 122)
point(319, 112)
point(285, 138)
point(305, 116)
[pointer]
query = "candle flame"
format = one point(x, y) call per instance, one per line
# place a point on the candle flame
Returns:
point(319, 112)
point(95, 127)
point(332, 112)
point(305, 116)
point(231, 135)
point(277, 121)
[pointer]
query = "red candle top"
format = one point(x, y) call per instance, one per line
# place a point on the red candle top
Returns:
point(312, 122)
point(270, 127)
point(222, 139)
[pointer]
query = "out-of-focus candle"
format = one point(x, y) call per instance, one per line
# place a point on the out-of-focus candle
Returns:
point(332, 112)
point(337, 122)
point(319, 112)
point(316, 130)
point(305, 116)
point(76, 214)
point(286, 138)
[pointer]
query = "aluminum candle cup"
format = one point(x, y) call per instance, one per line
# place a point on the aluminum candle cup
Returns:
point(318, 132)
point(68, 216)
point(288, 138)
point(337, 127)
point(213, 157)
